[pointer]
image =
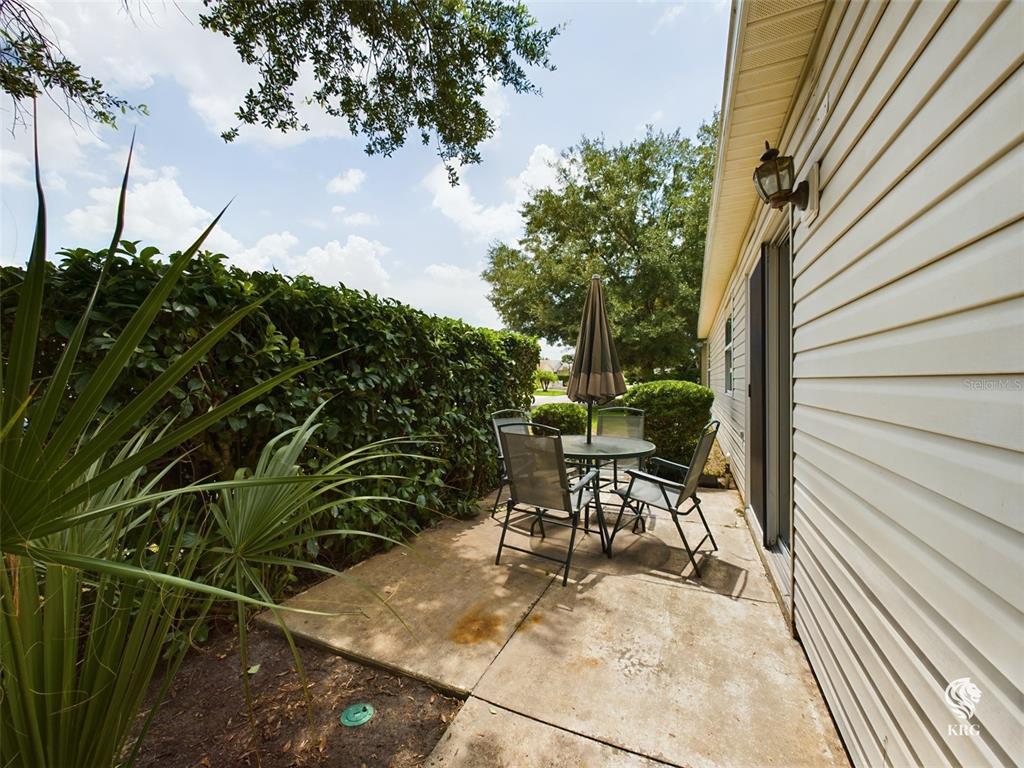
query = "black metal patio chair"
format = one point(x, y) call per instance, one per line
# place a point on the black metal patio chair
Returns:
point(539, 486)
point(499, 418)
point(619, 421)
point(653, 490)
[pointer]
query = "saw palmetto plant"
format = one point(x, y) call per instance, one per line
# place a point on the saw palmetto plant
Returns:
point(102, 560)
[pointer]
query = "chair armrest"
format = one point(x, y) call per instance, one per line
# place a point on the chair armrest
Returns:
point(584, 481)
point(655, 461)
point(654, 479)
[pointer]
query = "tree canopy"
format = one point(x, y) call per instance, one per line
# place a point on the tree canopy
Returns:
point(636, 215)
point(31, 63)
point(387, 68)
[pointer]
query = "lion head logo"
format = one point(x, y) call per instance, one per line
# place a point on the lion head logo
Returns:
point(962, 696)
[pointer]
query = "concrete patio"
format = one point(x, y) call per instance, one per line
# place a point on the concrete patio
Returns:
point(635, 662)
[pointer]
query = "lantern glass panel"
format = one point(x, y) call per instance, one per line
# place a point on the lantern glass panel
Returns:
point(758, 186)
point(767, 179)
point(785, 165)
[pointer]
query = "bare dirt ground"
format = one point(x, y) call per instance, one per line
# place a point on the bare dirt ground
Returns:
point(204, 721)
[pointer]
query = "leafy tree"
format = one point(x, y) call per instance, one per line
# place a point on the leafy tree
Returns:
point(31, 63)
point(387, 67)
point(544, 379)
point(636, 215)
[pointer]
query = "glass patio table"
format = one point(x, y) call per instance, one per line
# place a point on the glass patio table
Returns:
point(601, 449)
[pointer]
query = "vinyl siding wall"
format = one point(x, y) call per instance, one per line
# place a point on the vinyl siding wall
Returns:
point(730, 406)
point(908, 376)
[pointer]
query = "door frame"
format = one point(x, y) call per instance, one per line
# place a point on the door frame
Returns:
point(756, 400)
point(779, 393)
point(776, 381)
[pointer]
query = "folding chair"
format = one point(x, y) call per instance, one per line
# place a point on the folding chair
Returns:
point(539, 486)
point(619, 421)
point(658, 492)
point(498, 418)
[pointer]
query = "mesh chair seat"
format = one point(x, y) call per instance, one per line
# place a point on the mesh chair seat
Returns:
point(539, 486)
point(652, 490)
point(646, 490)
point(499, 419)
point(618, 421)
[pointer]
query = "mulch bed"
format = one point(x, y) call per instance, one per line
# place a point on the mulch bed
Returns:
point(204, 720)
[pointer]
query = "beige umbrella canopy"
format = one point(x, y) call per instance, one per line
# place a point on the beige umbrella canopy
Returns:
point(596, 375)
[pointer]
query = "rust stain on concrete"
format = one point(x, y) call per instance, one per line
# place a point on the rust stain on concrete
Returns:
point(477, 625)
point(532, 620)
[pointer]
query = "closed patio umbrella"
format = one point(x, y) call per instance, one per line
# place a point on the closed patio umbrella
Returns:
point(596, 376)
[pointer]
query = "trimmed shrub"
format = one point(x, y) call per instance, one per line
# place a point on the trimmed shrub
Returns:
point(389, 371)
point(674, 412)
point(567, 418)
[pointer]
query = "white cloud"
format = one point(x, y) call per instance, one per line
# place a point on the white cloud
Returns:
point(15, 169)
point(495, 102)
point(451, 290)
point(346, 183)
point(356, 264)
point(139, 171)
point(487, 222)
point(269, 251)
point(541, 171)
point(360, 219)
point(669, 16)
point(64, 146)
point(130, 50)
point(440, 288)
point(157, 210)
point(337, 210)
point(459, 205)
point(160, 212)
point(654, 120)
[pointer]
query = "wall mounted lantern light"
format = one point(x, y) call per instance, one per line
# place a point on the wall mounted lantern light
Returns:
point(774, 180)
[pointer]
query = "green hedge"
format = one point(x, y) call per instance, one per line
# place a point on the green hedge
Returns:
point(674, 412)
point(397, 371)
point(568, 418)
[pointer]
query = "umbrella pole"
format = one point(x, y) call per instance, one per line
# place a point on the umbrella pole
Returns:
point(590, 419)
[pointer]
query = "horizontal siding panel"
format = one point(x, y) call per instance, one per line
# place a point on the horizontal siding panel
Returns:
point(839, 66)
point(919, 644)
point(949, 126)
point(986, 410)
point(822, 647)
point(931, 49)
point(937, 177)
point(987, 271)
point(729, 408)
point(989, 201)
point(983, 340)
point(938, 579)
point(970, 476)
point(877, 684)
point(913, 35)
point(877, 62)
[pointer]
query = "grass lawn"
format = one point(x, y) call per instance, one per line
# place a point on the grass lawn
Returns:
point(548, 393)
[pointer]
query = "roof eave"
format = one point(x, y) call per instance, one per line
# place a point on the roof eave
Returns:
point(765, 37)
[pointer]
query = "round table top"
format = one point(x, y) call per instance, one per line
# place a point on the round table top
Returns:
point(605, 447)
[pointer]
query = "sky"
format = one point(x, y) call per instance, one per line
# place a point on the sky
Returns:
point(314, 203)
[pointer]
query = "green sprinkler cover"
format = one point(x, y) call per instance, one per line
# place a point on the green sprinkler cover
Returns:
point(357, 714)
